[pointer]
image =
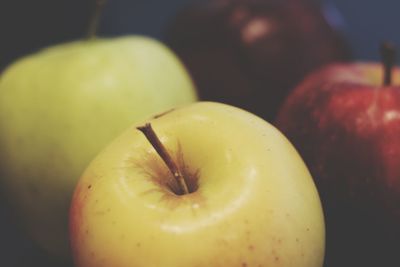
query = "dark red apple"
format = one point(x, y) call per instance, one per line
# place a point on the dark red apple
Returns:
point(250, 53)
point(345, 122)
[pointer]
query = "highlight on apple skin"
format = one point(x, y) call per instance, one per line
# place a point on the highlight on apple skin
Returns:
point(251, 200)
point(345, 121)
point(252, 53)
point(60, 106)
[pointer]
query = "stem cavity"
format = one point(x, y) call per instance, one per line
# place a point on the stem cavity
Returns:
point(151, 136)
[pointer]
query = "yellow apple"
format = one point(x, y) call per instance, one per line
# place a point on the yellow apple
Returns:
point(60, 106)
point(251, 199)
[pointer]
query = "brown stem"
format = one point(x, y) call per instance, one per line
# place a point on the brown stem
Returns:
point(151, 136)
point(388, 54)
point(94, 21)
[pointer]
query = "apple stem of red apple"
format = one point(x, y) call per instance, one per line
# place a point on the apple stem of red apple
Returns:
point(151, 136)
point(388, 54)
point(94, 21)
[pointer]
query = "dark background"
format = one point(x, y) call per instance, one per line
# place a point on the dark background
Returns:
point(28, 25)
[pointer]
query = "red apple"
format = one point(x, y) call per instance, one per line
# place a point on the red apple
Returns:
point(250, 53)
point(345, 122)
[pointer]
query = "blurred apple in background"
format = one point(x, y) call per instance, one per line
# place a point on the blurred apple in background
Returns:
point(345, 122)
point(251, 53)
point(26, 26)
point(243, 196)
point(60, 106)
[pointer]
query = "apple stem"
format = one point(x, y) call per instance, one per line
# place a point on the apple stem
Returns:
point(388, 54)
point(151, 136)
point(94, 21)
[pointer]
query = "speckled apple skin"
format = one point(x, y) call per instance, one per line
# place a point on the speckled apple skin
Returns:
point(346, 125)
point(256, 204)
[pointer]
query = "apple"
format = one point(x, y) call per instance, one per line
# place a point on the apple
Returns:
point(345, 121)
point(60, 106)
point(248, 199)
point(251, 53)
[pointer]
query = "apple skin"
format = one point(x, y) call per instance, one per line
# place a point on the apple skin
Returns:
point(59, 107)
point(251, 53)
point(346, 125)
point(256, 204)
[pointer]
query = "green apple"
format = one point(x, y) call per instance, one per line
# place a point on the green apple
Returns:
point(250, 200)
point(60, 106)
